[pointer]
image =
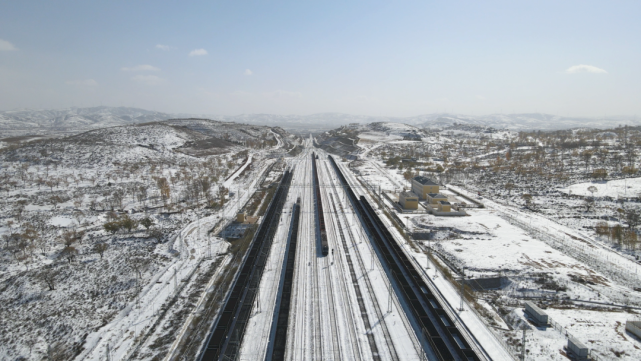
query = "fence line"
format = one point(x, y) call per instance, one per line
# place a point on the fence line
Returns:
point(582, 253)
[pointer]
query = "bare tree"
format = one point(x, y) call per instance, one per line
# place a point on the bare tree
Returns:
point(55, 200)
point(100, 248)
point(586, 155)
point(141, 193)
point(632, 217)
point(48, 275)
point(508, 187)
point(71, 237)
point(70, 253)
point(163, 187)
point(222, 192)
point(146, 222)
point(118, 196)
point(139, 265)
point(11, 238)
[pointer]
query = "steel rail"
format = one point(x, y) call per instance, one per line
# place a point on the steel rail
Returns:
point(225, 337)
point(436, 326)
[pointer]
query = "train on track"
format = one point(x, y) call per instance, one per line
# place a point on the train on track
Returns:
point(226, 335)
point(447, 342)
point(324, 248)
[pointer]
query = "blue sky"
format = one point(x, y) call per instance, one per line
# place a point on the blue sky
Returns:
point(301, 57)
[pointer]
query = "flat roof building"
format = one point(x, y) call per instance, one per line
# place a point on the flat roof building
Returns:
point(408, 200)
point(434, 198)
point(444, 206)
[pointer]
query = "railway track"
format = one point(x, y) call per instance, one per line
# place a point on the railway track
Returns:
point(444, 339)
point(280, 323)
point(393, 301)
point(225, 338)
point(368, 285)
point(305, 336)
point(317, 351)
point(328, 291)
point(350, 345)
point(359, 295)
point(320, 215)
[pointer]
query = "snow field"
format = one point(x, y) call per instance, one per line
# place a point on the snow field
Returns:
point(489, 244)
point(577, 244)
point(138, 316)
point(193, 246)
point(627, 187)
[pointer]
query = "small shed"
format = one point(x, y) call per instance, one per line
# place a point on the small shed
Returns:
point(240, 217)
point(537, 315)
point(577, 349)
point(444, 206)
point(634, 327)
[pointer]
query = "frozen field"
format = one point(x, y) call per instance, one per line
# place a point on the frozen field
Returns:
point(630, 187)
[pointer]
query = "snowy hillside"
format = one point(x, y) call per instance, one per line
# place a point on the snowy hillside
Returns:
point(75, 118)
point(89, 227)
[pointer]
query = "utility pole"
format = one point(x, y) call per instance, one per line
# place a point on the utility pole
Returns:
point(372, 263)
point(258, 300)
point(462, 294)
point(523, 345)
point(175, 286)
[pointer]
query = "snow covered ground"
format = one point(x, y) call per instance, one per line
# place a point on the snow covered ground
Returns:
point(546, 254)
point(619, 188)
point(71, 288)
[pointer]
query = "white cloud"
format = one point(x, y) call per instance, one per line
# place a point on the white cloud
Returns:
point(248, 72)
point(480, 97)
point(582, 68)
point(6, 46)
point(163, 47)
point(83, 83)
point(144, 67)
point(148, 79)
point(198, 52)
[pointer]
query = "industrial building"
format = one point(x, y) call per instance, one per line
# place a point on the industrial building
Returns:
point(422, 186)
point(444, 206)
point(434, 198)
point(408, 200)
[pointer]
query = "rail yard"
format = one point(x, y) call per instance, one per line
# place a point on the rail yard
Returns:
point(325, 278)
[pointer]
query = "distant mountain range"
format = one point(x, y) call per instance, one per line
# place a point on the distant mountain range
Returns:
point(74, 119)
point(500, 121)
